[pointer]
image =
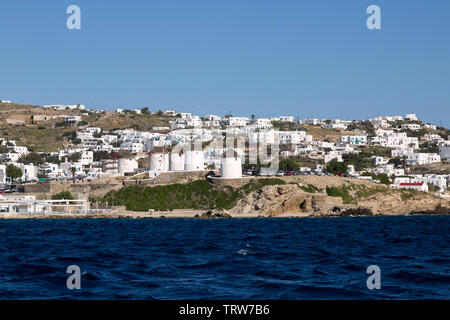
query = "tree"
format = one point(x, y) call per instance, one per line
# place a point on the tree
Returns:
point(145, 110)
point(73, 170)
point(63, 195)
point(382, 177)
point(52, 159)
point(97, 135)
point(397, 161)
point(337, 167)
point(13, 172)
point(70, 135)
point(288, 164)
point(74, 157)
point(100, 155)
point(32, 157)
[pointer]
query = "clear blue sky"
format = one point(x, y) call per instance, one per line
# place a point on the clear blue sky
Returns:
point(302, 58)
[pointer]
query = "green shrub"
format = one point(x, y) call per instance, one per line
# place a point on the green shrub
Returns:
point(310, 188)
point(198, 194)
point(342, 192)
point(63, 195)
point(259, 183)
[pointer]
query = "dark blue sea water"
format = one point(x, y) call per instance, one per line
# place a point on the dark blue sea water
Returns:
point(226, 259)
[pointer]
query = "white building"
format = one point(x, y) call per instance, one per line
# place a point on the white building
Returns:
point(411, 126)
point(262, 122)
point(432, 137)
point(29, 171)
point(50, 170)
point(127, 165)
point(410, 183)
point(335, 124)
point(359, 140)
point(440, 181)
point(231, 165)
point(411, 117)
point(170, 113)
point(2, 174)
point(421, 186)
point(176, 160)
point(194, 160)
point(422, 158)
point(158, 161)
point(313, 122)
point(379, 123)
point(236, 121)
point(333, 155)
point(86, 157)
point(133, 147)
point(264, 137)
point(379, 160)
point(12, 156)
point(293, 137)
point(93, 129)
point(389, 169)
point(445, 153)
point(430, 126)
point(65, 107)
point(286, 118)
point(71, 120)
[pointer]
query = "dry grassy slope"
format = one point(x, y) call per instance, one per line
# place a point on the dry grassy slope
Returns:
point(42, 137)
point(319, 133)
point(125, 121)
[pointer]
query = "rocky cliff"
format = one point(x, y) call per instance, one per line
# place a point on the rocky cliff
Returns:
point(292, 199)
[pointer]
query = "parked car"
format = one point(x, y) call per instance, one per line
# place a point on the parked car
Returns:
point(267, 172)
point(280, 173)
point(288, 173)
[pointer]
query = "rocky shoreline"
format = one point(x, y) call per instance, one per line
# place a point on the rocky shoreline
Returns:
point(298, 199)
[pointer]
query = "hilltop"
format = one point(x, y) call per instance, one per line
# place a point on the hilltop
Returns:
point(43, 130)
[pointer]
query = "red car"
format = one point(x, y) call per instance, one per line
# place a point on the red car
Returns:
point(288, 173)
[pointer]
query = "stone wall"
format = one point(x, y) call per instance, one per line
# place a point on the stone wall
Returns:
point(43, 187)
point(171, 177)
point(235, 183)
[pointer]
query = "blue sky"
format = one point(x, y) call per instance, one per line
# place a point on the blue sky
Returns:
point(301, 58)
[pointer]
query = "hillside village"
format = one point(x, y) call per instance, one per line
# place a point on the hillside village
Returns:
point(72, 143)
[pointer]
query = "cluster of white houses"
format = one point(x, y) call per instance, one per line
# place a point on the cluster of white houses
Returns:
point(179, 147)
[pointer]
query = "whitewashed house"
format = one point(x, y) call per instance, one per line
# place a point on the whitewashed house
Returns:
point(422, 158)
point(2, 174)
point(445, 153)
point(358, 140)
point(411, 117)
